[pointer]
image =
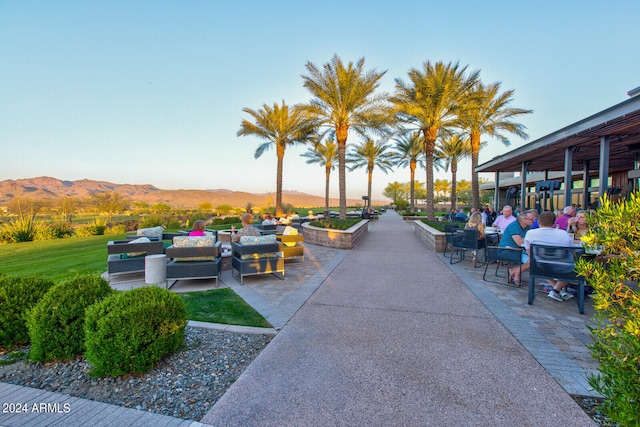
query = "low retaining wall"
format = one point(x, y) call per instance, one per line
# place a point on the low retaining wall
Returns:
point(339, 239)
point(432, 238)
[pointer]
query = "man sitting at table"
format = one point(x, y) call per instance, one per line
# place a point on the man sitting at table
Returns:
point(513, 237)
point(506, 218)
point(548, 235)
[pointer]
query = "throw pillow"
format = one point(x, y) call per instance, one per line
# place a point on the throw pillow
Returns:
point(290, 231)
point(257, 240)
point(153, 232)
point(140, 240)
point(194, 242)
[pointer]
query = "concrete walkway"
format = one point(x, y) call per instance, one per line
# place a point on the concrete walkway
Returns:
point(394, 337)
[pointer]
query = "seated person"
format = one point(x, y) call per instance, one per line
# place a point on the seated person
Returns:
point(198, 228)
point(513, 237)
point(578, 226)
point(475, 223)
point(268, 220)
point(247, 228)
point(461, 216)
point(502, 221)
point(548, 235)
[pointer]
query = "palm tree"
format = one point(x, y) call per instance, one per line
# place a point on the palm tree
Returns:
point(488, 112)
point(325, 154)
point(451, 149)
point(410, 152)
point(442, 187)
point(344, 100)
point(429, 102)
point(370, 154)
point(279, 126)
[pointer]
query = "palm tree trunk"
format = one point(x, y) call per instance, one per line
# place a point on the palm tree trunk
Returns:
point(429, 145)
point(369, 186)
point(280, 154)
point(454, 171)
point(341, 137)
point(326, 191)
point(475, 185)
point(412, 171)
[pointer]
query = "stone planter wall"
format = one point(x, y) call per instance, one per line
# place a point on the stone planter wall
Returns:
point(339, 239)
point(434, 239)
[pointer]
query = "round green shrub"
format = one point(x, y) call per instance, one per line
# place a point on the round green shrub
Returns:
point(56, 322)
point(130, 331)
point(17, 295)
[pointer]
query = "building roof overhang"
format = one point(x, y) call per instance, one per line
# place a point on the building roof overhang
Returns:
point(621, 123)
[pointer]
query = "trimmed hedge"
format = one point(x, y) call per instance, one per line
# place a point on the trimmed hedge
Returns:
point(56, 322)
point(130, 331)
point(17, 296)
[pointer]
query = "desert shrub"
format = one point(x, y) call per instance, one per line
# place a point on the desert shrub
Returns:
point(173, 224)
point(152, 221)
point(96, 227)
point(335, 223)
point(615, 276)
point(22, 229)
point(130, 331)
point(116, 229)
point(58, 230)
point(130, 225)
point(17, 296)
point(56, 322)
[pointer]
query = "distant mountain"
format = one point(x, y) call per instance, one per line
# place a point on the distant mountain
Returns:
point(51, 188)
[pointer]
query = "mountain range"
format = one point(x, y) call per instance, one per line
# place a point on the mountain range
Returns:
point(47, 188)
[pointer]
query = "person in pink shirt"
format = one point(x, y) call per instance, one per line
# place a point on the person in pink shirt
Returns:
point(198, 228)
point(502, 221)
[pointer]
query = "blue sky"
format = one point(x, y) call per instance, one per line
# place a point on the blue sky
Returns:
point(152, 92)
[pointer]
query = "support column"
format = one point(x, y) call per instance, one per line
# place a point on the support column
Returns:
point(585, 185)
point(603, 169)
point(523, 185)
point(496, 195)
point(568, 162)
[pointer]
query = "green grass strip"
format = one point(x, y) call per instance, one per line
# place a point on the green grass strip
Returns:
point(222, 306)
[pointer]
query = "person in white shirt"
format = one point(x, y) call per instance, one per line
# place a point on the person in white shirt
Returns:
point(502, 221)
point(547, 234)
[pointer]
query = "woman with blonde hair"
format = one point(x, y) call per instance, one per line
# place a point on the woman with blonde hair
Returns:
point(475, 223)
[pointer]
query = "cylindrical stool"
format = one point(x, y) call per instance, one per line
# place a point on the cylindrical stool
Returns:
point(155, 269)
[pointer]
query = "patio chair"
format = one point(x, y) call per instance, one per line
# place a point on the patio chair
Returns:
point(291, 247)
point(507, 257)
point(125, 256)
point(469, 242)
point(451, 231)
point(194, 257)
point(257, 258)
point(556, 263)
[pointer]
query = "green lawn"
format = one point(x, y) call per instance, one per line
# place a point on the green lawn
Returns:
point(61, 259)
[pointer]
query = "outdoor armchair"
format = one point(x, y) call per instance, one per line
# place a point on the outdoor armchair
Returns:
point(507, 257)
point(194, 257)
point(291, 247)
point(262, 256)
point(556, 263)
point(469, 242)
point(126, 256)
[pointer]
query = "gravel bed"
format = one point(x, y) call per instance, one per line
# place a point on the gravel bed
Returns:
point(184, 385)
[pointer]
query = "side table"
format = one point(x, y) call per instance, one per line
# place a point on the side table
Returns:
point(155, 269)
